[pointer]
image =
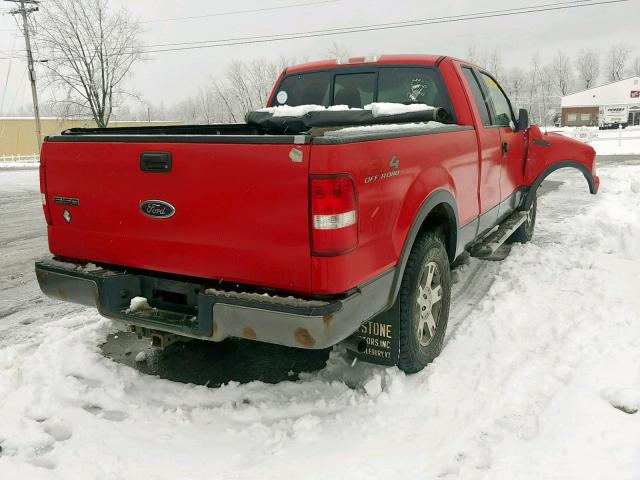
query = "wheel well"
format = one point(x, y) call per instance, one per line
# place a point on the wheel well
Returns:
point(531, 195)
point(437, 212)
point(442, 218)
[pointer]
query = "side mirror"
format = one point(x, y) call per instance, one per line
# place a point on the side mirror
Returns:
point(523, 120)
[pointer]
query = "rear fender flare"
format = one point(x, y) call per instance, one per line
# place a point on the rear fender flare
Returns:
point(531, 195)
point(438, 197)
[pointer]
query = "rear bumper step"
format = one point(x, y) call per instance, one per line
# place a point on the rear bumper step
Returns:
point(191, 310)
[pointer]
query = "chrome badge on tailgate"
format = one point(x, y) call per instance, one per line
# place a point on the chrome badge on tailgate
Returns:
point(157, 209)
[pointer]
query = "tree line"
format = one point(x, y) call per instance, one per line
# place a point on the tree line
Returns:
point(536, 86)
point(539, 85)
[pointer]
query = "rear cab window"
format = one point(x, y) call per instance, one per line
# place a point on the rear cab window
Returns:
point(357, 87)
point(354, 89)
point(306, 89)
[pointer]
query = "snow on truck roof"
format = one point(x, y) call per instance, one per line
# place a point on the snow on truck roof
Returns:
point(406, 59)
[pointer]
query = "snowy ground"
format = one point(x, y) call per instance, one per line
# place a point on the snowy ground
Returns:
point(605, 142)
point(540, 347)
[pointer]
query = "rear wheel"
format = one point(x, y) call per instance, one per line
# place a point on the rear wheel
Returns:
point(424, 297)
point(525, 231)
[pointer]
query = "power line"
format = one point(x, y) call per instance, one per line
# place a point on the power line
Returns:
point(383, 26)
point(539, 8)
point(239, 12)
point(399, 24)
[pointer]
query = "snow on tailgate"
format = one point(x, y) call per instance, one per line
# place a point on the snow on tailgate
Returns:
point(533, 383)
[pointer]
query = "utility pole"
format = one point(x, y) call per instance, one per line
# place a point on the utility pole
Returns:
point(24, 11)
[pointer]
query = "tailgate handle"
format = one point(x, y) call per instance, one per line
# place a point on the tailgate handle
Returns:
point(155, 162)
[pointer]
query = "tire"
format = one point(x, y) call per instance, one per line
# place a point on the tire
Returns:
point(525, 231)
point(428, 263)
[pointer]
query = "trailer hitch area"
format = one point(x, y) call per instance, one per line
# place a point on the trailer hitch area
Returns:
point(355, 343)
point(160, 340)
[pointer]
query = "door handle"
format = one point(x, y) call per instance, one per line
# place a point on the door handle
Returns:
point(155, 162)
point(505, 148)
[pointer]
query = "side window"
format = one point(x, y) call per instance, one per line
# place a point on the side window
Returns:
point(354, 89)
point(478, 96)
point(501, 106)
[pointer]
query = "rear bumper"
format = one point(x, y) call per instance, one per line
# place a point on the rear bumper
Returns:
point(211, 314)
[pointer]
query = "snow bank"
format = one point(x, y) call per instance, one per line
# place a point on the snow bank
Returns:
point(605, 142)
point(524, 389)
point(9, 165)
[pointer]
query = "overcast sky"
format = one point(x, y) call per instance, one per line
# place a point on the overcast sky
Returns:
point(173, 76)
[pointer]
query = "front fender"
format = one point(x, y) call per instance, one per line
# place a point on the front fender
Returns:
point(550, 152)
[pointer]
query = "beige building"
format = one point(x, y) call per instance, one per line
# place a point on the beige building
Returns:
point(18, 134)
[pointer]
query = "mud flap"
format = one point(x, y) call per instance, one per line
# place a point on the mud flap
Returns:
point(382, 334)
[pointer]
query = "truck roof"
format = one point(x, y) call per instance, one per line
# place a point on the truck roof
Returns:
point(406, 59)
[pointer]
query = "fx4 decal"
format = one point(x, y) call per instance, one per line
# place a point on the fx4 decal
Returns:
point(377, 171)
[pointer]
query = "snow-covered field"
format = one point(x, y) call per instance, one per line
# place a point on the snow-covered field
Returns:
point(605, 142)
point(541, 349)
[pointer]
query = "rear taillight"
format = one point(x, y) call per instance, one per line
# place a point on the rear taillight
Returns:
point(334, 215)
point(43, 193)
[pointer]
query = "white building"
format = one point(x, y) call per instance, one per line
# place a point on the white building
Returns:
point(581, 108)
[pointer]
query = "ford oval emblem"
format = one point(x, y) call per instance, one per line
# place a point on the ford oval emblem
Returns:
point(157, 209)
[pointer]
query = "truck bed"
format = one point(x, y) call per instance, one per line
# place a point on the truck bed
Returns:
point(238, 198)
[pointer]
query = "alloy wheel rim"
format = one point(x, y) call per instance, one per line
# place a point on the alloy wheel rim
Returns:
point(428, 302)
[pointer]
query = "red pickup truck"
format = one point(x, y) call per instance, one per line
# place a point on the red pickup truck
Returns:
point(333, 216)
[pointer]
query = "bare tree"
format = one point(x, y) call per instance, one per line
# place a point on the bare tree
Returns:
point(204, 108)
point(474, 55)
point(588, 67)
point(245, 87)
point(515, 85)
point(90, 50)
point(491, 60)
point(634, 70)
point(494, 63)
point(616, 61)
point(562, 73)
point(338, 50)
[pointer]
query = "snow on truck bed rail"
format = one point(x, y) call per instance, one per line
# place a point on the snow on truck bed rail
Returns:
point(379, 109)
point(381, 128)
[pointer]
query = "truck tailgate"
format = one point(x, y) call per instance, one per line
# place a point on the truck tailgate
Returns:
point(241, 210)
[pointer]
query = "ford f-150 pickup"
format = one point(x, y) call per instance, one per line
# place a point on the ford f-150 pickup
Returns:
point(332, 215)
